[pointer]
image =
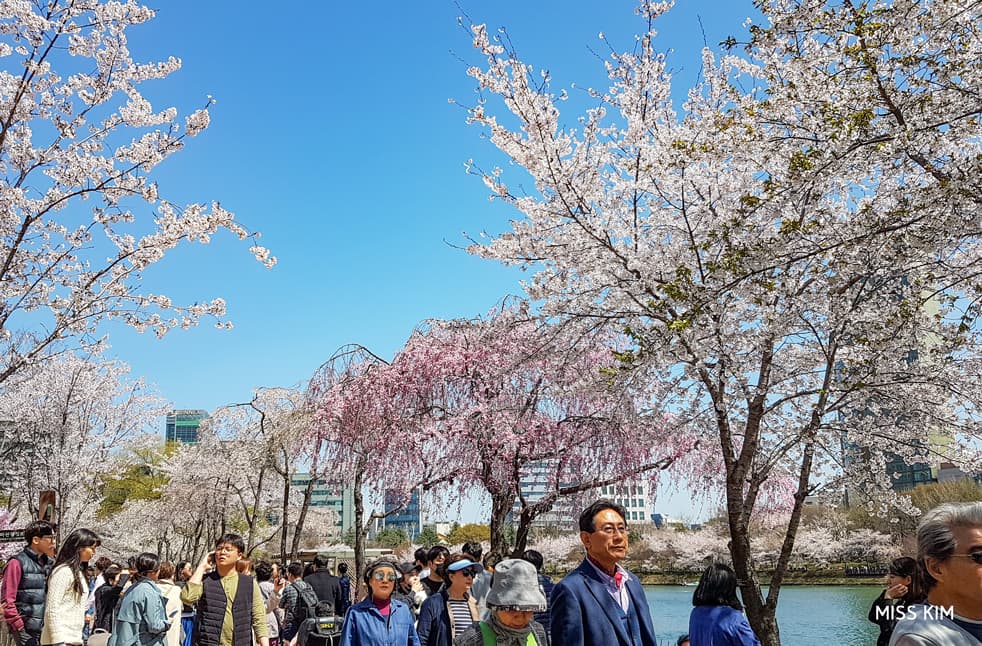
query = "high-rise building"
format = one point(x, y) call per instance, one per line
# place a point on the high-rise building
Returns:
point(907, 476)
point(182, 425)
point(330, 496)
point(535, 484)
point(409, 518)
point(634, 495)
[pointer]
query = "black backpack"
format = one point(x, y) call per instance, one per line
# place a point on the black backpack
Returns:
point(324, 629)
point(306, 604)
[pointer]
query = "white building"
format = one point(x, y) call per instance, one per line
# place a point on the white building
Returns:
point(633, 495)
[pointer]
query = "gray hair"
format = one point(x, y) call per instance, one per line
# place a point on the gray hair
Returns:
point(935, 538)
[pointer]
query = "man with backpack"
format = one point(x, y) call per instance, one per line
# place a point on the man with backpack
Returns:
point(323, 629)
point(326, 585)
point(298, 601)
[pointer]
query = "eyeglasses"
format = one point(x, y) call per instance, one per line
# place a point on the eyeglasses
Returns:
point(49, 537)
point(383, 576)
point(468, 573)
point(228, 549)
point(975, 556)
point(610, 530)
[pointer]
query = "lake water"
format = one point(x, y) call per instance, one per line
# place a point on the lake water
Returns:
point(806, 615)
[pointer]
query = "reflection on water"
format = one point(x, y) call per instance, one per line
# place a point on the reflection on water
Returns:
point(807, 615)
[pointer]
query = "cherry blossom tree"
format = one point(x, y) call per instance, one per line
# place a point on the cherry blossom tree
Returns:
point(7, 520)
point(81, 218)
point(239, 475)
point(258, 442)
point(363, 431)
point(67, 415)
point(508, 395)
point(796, 248)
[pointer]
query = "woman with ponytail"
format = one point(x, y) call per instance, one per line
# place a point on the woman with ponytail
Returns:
point(141, 619)
point(68, 590)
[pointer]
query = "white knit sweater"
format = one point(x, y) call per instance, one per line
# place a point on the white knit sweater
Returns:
point(64, 613)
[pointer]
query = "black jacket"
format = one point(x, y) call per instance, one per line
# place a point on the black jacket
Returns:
point(887, 618)
point(328, 588)
point(106, 598)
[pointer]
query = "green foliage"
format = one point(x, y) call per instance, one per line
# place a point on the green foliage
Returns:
point(392, 538)
point(469, 532)
point(428, 537)
point(931, 495)
point(349, 537)
point(140, 479)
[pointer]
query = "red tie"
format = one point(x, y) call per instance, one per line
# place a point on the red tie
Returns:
point(618, 579)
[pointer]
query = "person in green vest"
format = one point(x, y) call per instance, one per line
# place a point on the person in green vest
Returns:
point(514, 598)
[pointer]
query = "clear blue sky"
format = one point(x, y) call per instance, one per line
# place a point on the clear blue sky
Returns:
point(333, 135)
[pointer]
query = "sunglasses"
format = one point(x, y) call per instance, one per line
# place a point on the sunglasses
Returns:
point(975, 556)
point(382, 576)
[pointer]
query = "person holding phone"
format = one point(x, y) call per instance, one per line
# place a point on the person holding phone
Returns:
point(230, 605)
point(142, 616)
point(903, 589)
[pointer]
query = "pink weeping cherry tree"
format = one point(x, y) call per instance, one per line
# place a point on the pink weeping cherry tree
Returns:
point(501, 396)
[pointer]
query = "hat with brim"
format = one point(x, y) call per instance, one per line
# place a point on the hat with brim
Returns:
point(410, 568)
point(380, 564)
point(465, 565)
point(515, 586)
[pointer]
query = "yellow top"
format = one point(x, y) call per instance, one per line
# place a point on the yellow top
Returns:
point(230, 583)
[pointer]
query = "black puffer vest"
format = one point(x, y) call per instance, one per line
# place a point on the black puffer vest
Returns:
point(211, 612)
point(35, 569)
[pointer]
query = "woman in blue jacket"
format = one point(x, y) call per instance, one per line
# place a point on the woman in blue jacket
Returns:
point(380, 620)
point(717, 618)
point(141, 619)
point(450, 612)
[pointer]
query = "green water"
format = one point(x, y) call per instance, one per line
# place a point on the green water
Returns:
point(807, 615)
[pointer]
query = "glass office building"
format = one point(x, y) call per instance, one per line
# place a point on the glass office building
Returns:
point(182, 426)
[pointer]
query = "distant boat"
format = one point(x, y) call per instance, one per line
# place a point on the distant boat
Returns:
point(688, 583)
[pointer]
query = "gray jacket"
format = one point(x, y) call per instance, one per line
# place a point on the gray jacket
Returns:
point(926, 625)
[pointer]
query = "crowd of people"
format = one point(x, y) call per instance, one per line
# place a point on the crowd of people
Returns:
point(51, 597)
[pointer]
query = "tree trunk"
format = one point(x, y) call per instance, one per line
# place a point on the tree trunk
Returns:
point(255, 509)
point(522, 532)
point(501, 503)
point(759, 614)
point(359, 535)
point(285, 512)
point(302, 516)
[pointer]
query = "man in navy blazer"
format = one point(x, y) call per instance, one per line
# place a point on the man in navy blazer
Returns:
point(600, 603)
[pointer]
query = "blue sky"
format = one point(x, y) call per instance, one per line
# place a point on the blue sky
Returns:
point(333, 135)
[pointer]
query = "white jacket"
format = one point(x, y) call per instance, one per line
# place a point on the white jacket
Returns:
point(173, 610)
point(64, 611)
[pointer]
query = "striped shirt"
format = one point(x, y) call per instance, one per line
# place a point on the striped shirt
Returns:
point(461, 615)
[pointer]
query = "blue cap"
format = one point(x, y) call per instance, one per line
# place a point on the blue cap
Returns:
point(465, 564)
